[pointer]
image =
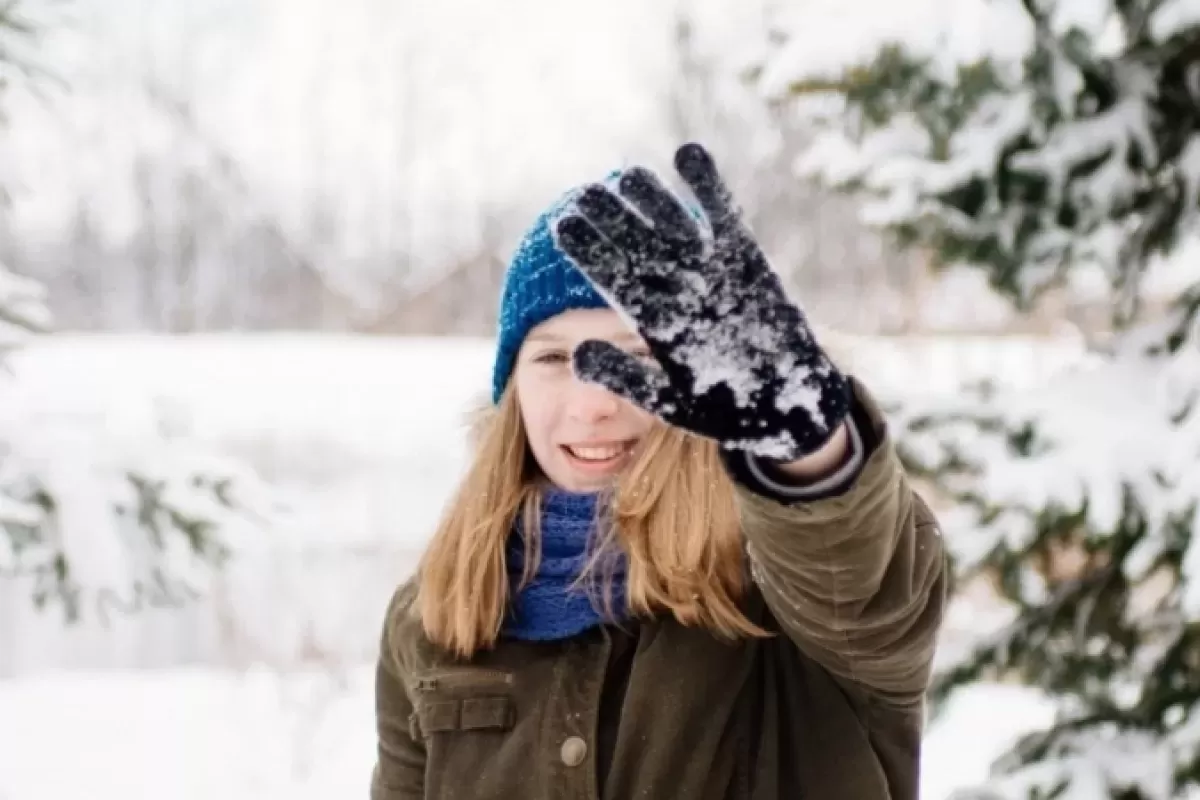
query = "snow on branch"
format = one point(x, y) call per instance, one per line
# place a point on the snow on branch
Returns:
point(100, 521)
point(1122, 421)
point(1080, 503)
point(23, 309)
point(1031, 138)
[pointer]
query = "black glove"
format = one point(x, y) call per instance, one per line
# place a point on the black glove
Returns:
point(737, 361)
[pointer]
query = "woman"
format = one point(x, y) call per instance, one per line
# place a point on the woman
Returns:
point(685, 562)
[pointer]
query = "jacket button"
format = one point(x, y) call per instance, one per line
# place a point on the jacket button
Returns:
point(574, 750)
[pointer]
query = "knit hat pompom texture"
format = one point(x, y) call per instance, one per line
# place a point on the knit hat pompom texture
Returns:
point(541, 283)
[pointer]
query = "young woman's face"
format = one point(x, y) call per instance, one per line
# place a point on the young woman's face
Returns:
point(581, 434)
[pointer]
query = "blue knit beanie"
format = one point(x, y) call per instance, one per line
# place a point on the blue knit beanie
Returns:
point(541, 283)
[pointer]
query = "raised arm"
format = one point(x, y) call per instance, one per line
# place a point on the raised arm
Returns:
point(855, 574)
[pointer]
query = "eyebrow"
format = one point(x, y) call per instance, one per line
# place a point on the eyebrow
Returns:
point(626, 336)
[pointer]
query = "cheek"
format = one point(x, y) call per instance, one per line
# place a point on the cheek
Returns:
point(539, 434)
point(538, 417)
point(636, 419)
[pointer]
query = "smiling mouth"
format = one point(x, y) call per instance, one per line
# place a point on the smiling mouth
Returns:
point(598, 455)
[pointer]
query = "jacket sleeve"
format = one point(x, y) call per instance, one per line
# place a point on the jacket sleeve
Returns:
point(856, 579)
point(399, 772)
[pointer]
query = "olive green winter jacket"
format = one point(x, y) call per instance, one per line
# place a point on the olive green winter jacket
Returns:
point(832, 707)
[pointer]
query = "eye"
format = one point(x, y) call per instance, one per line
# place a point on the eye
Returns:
point(551, 357)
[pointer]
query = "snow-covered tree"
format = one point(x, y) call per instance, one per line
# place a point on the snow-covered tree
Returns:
point(1056, 146)
point(98, 521)
point(90, 519)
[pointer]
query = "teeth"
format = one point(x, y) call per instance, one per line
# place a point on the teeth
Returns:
point(597, 453)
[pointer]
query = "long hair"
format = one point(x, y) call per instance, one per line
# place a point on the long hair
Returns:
point(673, 512)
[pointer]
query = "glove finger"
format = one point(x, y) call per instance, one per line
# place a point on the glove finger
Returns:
point(671, 219)
point(626, 376)
point(596, 257)
point(650, 297)
point(698, 169)
point(737, 250)
point(644, 297)
point(618, 223)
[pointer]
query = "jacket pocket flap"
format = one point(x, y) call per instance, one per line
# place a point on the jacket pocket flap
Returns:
point(437, 717)
point(482, 713)
point(469, 714)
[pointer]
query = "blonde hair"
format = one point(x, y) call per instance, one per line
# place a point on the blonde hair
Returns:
point(673, 513)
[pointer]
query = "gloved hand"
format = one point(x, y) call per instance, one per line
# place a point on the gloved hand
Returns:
point(736, 359)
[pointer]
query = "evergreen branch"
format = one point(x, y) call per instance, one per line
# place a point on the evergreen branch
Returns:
point(1135, 17)
point(51, 580)
point(1040, 745)
point(10, 315)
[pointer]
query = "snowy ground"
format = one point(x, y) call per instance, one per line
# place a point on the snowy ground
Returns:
point(264, 691)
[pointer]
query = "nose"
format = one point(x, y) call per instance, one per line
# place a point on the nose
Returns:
point(590, 403)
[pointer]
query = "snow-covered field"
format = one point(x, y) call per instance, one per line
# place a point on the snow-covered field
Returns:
point(263, 690)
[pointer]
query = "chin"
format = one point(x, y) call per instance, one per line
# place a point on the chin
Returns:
point(567, 480)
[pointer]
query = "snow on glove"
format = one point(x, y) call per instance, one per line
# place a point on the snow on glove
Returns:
point(736, 359)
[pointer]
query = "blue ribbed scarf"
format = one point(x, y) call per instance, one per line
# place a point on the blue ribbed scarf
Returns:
point(550, 607)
